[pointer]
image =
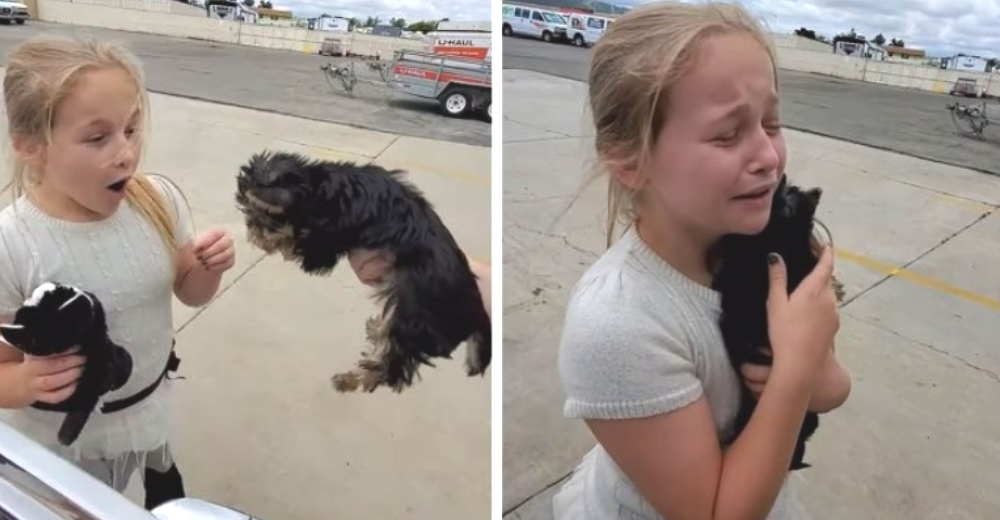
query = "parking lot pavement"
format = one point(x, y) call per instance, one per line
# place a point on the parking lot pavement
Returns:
point(907, 121)
point(918, 245)
point(279, 81)
point(259, 426)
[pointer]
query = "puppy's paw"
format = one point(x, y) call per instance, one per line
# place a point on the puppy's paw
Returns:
point(371, 373)
point(373, 329)
point(346, 381)
point(477, 356)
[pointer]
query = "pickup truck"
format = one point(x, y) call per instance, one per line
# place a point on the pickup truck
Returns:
point(36, 484)
point(13, 12)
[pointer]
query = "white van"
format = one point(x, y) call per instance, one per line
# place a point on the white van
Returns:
point(585, 29)
point(548, 26)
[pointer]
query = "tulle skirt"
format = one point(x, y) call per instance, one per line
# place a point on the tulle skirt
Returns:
point(111, 446)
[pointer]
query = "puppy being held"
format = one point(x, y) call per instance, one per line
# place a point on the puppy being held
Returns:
point(315, 212)
point(743, 282)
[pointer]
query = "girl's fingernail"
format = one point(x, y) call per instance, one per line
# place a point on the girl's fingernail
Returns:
point(772, 258)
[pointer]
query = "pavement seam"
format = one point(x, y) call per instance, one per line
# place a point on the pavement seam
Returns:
point(919, 257)
point(355, 126)
point(218, 295)
point(884, 148)
point(392, 142)
point(529, 125)
point(547, 487)
point(985, 371)
point(832, 159)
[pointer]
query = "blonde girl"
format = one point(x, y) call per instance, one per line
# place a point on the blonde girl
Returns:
point(686, 112)
point(77, 112)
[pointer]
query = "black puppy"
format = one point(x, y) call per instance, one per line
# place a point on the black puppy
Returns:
point(56, 318)
point(314, 212)
point(743, 281)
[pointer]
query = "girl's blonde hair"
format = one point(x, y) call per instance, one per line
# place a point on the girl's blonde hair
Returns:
point(634, 66)
point(41, 73)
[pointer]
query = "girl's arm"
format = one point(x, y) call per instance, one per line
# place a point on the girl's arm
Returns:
point(832, 386)
point(194, 285)
point(675, 460)
point(11, 386)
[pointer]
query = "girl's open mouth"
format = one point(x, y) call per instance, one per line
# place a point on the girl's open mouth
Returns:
point(119, 186)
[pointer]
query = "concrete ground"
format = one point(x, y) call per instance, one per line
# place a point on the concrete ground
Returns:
point(907, 121)
point(274, 80)
point(259, 426)
point(918, 245)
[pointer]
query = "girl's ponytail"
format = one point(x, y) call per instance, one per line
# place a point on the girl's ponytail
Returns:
point(144, 197)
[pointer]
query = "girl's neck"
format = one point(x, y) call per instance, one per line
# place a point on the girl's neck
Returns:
point(60, 206)
point(685, 249)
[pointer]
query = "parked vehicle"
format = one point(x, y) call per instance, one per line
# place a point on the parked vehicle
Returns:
point(967, 87)
point(585, 29)
point(13, 12)
point(462, 85)
point(548, 26)
point(37, 484)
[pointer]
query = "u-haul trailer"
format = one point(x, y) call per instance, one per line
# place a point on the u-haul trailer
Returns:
point(462, 85)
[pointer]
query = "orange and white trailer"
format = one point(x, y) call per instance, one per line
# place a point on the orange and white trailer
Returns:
point(461, 84)
point(476, 45)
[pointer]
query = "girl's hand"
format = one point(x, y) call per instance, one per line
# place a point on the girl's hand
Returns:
point(214, 249)
point(802, 325)
point(51, 379)
point(755, 376)
point(371, 265)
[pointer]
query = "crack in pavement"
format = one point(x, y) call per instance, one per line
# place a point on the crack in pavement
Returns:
point(985, 371)
point(564, 238)
point(832, 159)
point(223, 290)
point(547, 487)
point(919, 257)
point(536, 127)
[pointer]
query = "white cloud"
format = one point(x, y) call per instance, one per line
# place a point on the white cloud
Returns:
point(941, 27)
point(410, 10)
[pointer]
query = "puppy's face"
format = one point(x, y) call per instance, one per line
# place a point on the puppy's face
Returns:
point(794, 210)
point(269, 189)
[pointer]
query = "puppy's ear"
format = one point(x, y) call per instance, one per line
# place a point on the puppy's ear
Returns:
point(814, 195)
point(271, 200)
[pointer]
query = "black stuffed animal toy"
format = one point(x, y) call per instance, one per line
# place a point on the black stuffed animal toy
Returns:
point(743, 282)
point(53, 320)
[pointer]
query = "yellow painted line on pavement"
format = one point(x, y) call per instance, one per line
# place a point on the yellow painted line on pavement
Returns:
point(919, 279)
point(974, 205)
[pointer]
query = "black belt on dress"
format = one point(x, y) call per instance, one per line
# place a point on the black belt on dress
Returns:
point(173, 362)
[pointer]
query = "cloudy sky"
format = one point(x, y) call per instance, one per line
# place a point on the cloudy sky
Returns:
point(941, 27)
point(410, 10)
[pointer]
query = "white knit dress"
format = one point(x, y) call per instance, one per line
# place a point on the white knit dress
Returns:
point(641, 339)
point(122, 261)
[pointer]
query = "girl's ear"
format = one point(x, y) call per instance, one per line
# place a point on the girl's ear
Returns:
point(624, 168)
point(29, 151)
point(627, 174)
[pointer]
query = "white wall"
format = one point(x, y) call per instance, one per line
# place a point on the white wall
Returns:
point(151, 16)
point(884, 72)
point(176, 19)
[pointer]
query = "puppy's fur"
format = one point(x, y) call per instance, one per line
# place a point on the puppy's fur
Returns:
point(314, 212)
point(56, 318)
point(743, 281)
